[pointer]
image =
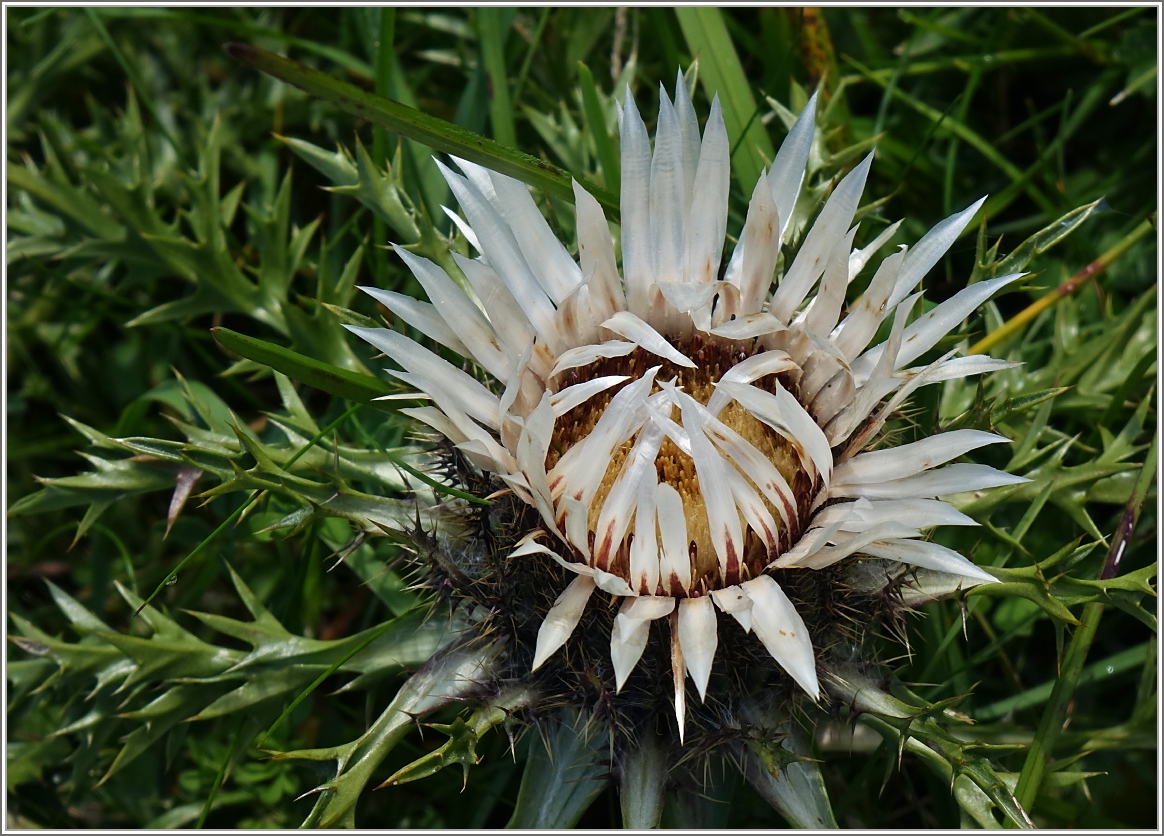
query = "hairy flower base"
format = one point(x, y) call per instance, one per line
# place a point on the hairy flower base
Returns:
point(845, 607)
point(676, 468)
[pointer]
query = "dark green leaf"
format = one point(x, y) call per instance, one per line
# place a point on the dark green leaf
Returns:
point(436, 133)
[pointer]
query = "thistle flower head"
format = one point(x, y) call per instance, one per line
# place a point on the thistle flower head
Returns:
point(688, 439)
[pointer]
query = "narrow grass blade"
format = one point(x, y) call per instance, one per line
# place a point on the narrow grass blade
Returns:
point(435, 133)
point(342, 57)
point(334, 380)
point(384, 56)
point(1117, 663)
point(967, 135)
point(492, 23)
point(310, 689)
point(965, 62)
point(607, 152)
point(1111, 564)
point(221, 776)
point(531, 50)
point(1085, 49)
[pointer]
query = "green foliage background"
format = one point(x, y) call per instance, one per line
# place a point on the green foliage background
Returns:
point(156, 189)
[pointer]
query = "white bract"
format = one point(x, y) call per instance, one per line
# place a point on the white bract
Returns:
point(682, 436)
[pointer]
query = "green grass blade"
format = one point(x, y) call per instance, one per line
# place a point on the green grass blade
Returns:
point(1112, 21)
point(1084, 48)
point(1117, 663)
point(434, 132)
point(1091, 99)
point(720, 72)
point(221, 776)
point(607, 151)
point(972, 138)
point(492, 27)
point(531, 50)
point(965, 63)
point(197, 550)
point(240, 27)
point(964, 100)
point(929, 24)
point(384, 55)
point(334, 380)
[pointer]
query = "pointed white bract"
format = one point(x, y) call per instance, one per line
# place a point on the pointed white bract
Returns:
point(631, 626)
point(782, 631)
point(698, 638)
point(686, 438)
point(562, 618)
point(707, 219)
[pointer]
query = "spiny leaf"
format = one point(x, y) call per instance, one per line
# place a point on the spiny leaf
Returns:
point(1043, 240)
point(445, 677)
point(337, 167)
point(461, 747)
point(787, 778)
point(596, 118)
point(78, 657)
point(69, 201)
point(565, 772)
point(188, 702)
point(384, 195)
point(258, 689)
point(82, 620)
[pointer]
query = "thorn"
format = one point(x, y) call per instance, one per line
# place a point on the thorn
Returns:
point(512, 742)
point(419, 725)
point(962, 604)
point(344, 553)
point(320, 788)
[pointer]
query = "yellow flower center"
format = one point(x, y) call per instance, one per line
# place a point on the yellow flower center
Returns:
point(677, 469)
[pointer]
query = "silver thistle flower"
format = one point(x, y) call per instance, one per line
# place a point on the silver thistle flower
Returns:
point(687, 440)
